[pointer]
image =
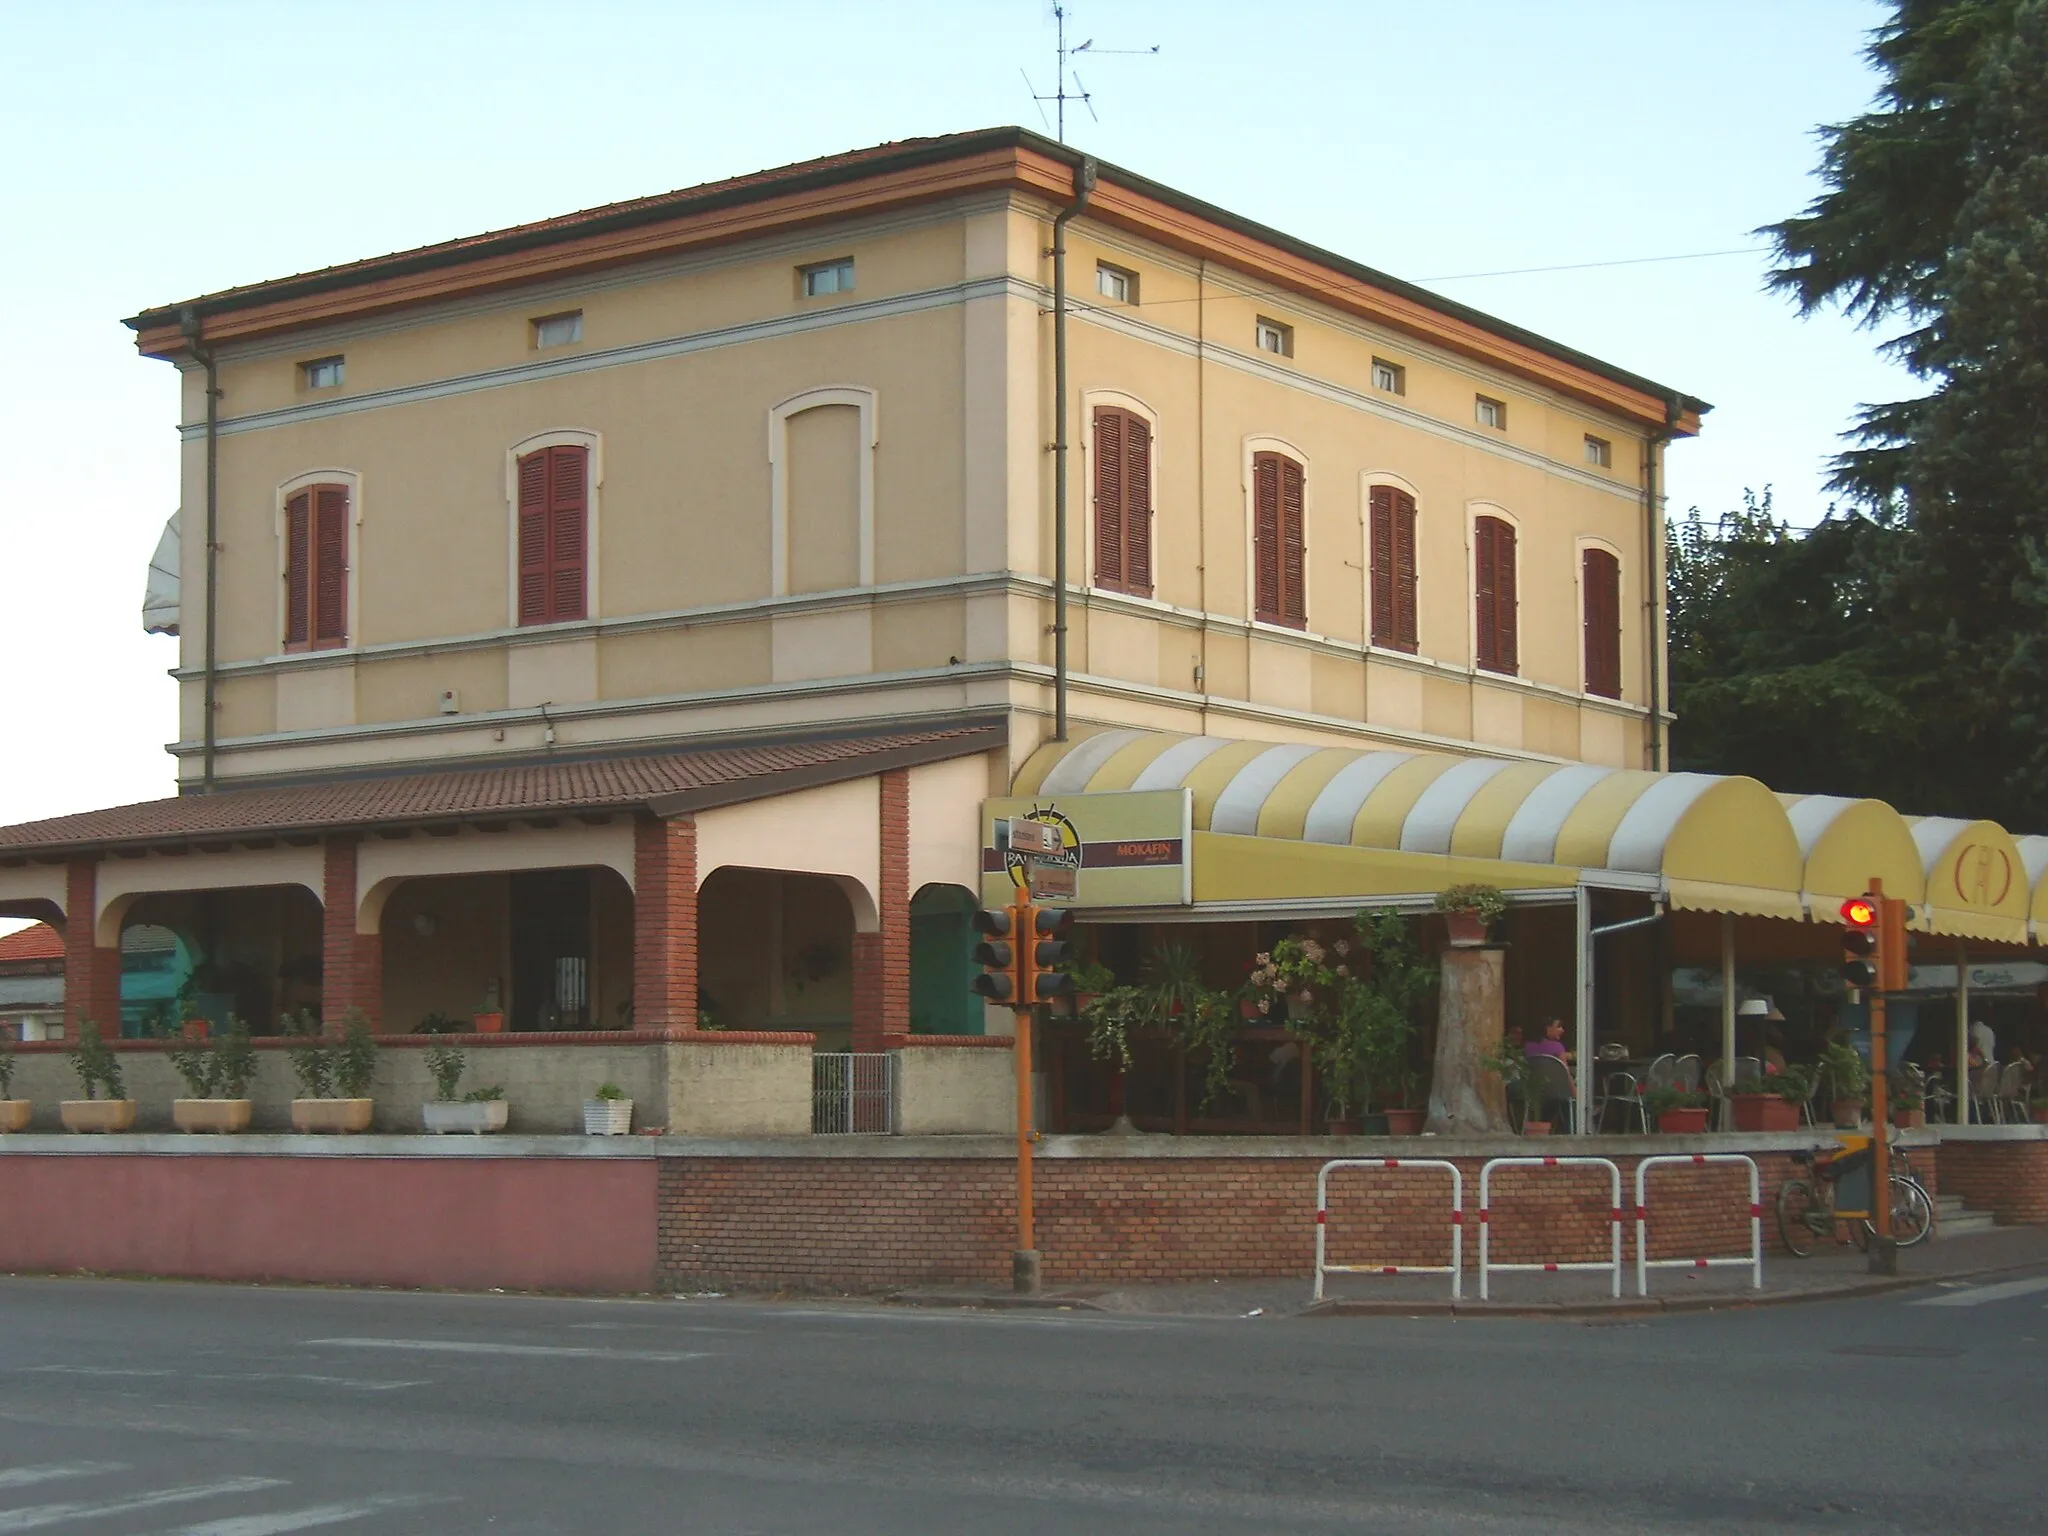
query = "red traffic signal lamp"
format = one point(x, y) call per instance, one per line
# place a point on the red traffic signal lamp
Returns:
point(1859, 942)
point(1047, 953)
point(996, 954)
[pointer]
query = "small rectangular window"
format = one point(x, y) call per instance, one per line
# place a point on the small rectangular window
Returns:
point(1115, 283)
point(1599, 451)
point(1491, 413)
point(1274, 337)
point(558, 330)
point(322, 373)
point(828, 277)
point(1391, 377)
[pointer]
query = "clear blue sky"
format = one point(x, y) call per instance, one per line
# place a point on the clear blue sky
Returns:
point(156, 151)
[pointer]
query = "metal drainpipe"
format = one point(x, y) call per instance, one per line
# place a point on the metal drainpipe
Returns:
point(1653, 595)
point(1084, 183)
point(188, 322)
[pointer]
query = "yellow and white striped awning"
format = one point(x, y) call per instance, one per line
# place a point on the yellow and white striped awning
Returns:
point(1274, 821)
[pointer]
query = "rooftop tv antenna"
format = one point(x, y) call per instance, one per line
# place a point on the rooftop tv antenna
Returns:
point(1065, 57)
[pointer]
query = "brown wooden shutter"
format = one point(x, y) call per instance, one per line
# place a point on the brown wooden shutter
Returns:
point(1603, 623)
point(567, 529)
point(1293, 547)
point(1109, 497)
point(298, 569)
point(1380, 559)
point(1510, 647)
point(1266, 537)
point(1138, 505)
point(1486, 593)
point(330, 565)
point(533, 538)
point(1406, 637)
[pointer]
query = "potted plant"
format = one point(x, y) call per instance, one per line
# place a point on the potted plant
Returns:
point(99, 1073)
point(14, 1112)
point(1382, 980)
point(208, 1068)
point(1678, 1112)
point(1771, 1104)
point(1470, 911)
point(476, 1113)
point(1090, 982)
point(1848, 1078)
point(334, 1073)
point(608, 1112)
point(1512, 1068)
point(1908, 1104)
point(491, 1023)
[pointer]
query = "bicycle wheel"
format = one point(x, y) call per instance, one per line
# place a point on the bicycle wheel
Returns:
point(1912, 1212)
point(1795, 1204)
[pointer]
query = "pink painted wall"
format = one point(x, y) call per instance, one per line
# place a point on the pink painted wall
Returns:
point(580, 1224)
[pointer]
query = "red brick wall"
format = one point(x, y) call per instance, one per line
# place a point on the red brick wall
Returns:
point(881, 960)
point(2007, 1178)
point(665, 923)
point(869, 1223)
point(351, 963)
point(92, 976)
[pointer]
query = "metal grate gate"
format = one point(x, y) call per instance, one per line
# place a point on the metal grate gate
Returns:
point(853, 1093)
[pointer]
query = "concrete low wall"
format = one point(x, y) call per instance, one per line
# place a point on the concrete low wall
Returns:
point(957, 1089)
point(743, 1087)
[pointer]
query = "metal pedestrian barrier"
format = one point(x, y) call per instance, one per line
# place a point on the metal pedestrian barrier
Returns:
point(1486, 1264)
point(1455, 1269)
point(853, 1093)
point(1754, 1259)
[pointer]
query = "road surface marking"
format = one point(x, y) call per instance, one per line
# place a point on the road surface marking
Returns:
point(23, 1477)
point(296, 1519)
point(40, 1515)
point(355, 1383)
point(467, 1347)
point(1976, 1296)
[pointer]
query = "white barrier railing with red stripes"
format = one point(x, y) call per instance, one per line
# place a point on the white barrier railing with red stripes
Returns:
point(1614, 1211)
point(1754, 1259)
point(1455, 1269)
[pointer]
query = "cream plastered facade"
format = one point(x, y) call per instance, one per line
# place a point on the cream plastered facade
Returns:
point(806, 511)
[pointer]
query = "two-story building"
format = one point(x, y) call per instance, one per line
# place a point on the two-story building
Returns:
point(621, 620)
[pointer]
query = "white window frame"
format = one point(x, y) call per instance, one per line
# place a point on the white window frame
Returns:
point(285, 491)
point(1605, 445)
point(811, 269)
point(862, 399)
point(1479, 404)
point(1580, 545)
point(1399, 372)
point(1474, 510)
point(1107, 272)
point(1367, 479)
point(1281, 331)
point(1090, 399)
point(541, 344)
point(1253, 447)
point(308, 364)
point(592, 444)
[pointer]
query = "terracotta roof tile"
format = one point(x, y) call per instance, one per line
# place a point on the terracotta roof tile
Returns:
point(38, 941)
point(664, 783)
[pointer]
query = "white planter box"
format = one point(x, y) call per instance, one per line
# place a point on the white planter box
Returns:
point(607, 1117)
point(466, 1117)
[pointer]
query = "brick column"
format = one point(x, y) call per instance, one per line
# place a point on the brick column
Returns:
point(92, 975)
point(881, 960)
point(351, 963)
point(665, 923)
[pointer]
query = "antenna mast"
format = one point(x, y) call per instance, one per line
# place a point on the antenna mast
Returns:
point(1062, 57)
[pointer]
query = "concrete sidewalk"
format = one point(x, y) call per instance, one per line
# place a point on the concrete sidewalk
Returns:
point(1839, 1273)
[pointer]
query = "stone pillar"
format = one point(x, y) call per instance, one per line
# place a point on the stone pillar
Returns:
point(351, 963)
point(1465, 1095)
point(665, 923)
point(92, 975)
point(881, 960)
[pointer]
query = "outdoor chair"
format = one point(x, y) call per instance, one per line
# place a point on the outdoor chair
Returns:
point(1663, 1073)
point(1749, 1069)
point(1984, 1095)
point(1620, 1090)
point(2012, 1092)
point(1721, 1113)
point(1807, 1113)
point(1553, 1083)
point(1689, 1073)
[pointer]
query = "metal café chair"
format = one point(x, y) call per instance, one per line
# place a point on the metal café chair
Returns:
point(1721, 1113)
point(1689, 1073)
point(1663, 1073)
point(2012, 1092)
point(1620, 1090)
point(1553, 1080)
point(1807, 1112)
point(1984, 1104)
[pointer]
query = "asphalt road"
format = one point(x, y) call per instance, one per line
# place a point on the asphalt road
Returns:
point(219, 1411)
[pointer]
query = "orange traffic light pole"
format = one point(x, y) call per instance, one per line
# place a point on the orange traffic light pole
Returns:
point(1024, 1262)
point(1884, 1255)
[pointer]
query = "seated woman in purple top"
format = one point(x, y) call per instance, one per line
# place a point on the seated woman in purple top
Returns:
point(1552, 1043)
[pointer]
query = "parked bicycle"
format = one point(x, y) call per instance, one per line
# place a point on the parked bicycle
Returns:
point(1806, 1204)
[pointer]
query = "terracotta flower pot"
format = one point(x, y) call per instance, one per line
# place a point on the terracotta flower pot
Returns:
point(1404, 1122)
point(342, 1116)
point(2041, 1116)
point(1848, 1114)
point(1682, 1122)
point(1764, 1112)
point(1535, 1127)
point(488, 1023)
point(97, 1115)
point(1468, 929)
point(222, 1117)
point(1909, 1119)
point(14, 1114)
point(1343, 1127)
point(196, 1029)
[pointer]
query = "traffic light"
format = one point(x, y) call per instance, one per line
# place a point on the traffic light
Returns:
point(1859, 941)
point(1047, 954)
point(996, 954)
point(1893, 964)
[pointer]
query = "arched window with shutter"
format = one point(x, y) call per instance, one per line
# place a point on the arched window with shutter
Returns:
point(1122, 445)
point(1494, 601)
point(1600, 592)
point(1279, 547)
point(554, 534)
point(1390, 533)
point(316, 553)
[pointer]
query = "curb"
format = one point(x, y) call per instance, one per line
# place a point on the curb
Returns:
point(997, 1301)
